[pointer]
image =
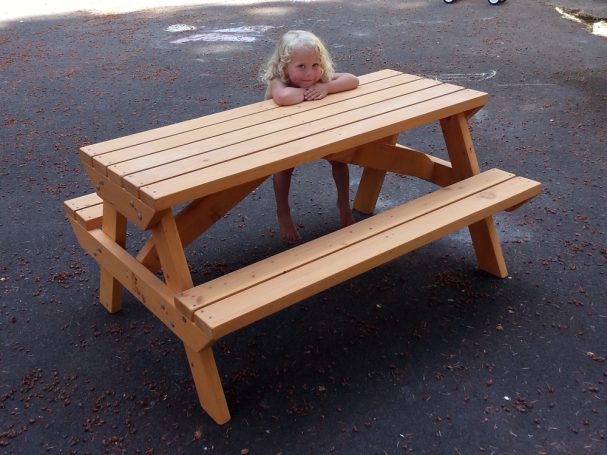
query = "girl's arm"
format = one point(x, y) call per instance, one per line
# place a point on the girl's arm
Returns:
point(340, 83)
point(284, 95)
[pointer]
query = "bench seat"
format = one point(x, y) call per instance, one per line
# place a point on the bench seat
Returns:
point(240, 298)
point(87, 210)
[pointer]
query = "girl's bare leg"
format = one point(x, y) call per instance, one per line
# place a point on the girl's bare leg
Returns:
point(341, 175)
point(282, 184)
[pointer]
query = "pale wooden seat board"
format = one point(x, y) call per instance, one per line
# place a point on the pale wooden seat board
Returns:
point(239, 280)
point(373, 126)
point(90, 151)
point(267, 129)
point(257, 291)
point(87, 210)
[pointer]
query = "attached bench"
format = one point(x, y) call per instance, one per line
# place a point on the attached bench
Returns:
point(228, 303)
point(86, 210)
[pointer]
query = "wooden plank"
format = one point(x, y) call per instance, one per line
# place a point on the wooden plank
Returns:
point(142, 283)
point(371, 181)
point(215, 178)
point(170, 253)
point(90, 151)
point(149, 154)
point(128, 204)
point(401, 160)
point(254, 303)
point(197, 217)
point(86, 210)
point(208, 384)
point(458, 140)
point(205, 294)
point(82, 202)
point(244, 138)
point(110, 290)
point(464, 162)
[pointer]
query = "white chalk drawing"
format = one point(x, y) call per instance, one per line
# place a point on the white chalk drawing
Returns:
point(177, 28)
point(245, 34)
point(462, 77)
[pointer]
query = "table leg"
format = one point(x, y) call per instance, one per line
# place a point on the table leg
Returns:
point(464, 163)
point(197, 217)
point(208, 384)
point(110, 290)
point(370, 185)
point(178, 278)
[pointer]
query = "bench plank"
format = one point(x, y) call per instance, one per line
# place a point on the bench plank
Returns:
point(87, 210)
point(239, 280)
point(311, 268)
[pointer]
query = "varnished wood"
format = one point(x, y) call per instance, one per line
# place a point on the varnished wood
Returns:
point(86, 210)
point(387, 238)
point(245, 168)
point(96, 151)
point(110, 289)
point(371, 180)
point(197, 217)
point(209, 164)
point(400, 160)
point(208, 384)
point(140, 282)
point(464, 163)
point(170, 253)
point(239, 280)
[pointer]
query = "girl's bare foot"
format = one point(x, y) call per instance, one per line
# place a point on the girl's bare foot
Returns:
point(288, 230)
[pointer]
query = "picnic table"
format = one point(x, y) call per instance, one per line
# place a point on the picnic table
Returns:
point(176, 181)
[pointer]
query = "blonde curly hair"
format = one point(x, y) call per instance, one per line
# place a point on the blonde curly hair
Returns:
point(295, 40)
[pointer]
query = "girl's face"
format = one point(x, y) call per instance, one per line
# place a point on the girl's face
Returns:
point(304, 69)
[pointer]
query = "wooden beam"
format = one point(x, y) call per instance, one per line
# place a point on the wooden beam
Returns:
point(197, 217)
point(463, 159)
point(142, 283)
point(400, 160)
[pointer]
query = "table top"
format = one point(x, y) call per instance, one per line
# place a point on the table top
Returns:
point(168, 166)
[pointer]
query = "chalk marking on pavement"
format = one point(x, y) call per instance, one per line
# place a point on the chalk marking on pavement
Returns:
point(177, 28)
point(245, 34)
point(455, 77)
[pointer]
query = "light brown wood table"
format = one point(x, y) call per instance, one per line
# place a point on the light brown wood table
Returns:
point(205, 166)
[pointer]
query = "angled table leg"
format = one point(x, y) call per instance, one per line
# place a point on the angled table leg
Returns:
point(463, 160)
point(110, 290)
point(370, 184)
point(177, 276)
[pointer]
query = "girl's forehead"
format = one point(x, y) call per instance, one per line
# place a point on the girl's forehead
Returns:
point(305, 53)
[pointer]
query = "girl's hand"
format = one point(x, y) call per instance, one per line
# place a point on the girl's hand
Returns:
point(316, 92)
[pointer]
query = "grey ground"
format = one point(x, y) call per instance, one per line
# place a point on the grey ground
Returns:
point(423, 355)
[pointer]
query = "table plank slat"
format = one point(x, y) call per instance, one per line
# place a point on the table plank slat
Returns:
point(256, 137)
point(90, 151)
point(324, 141)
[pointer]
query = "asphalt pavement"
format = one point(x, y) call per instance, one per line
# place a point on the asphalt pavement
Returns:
point(424, 355)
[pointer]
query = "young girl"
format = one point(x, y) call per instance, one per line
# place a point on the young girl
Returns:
point(301, 69)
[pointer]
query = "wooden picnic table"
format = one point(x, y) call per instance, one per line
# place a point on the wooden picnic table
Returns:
point(206, 166)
